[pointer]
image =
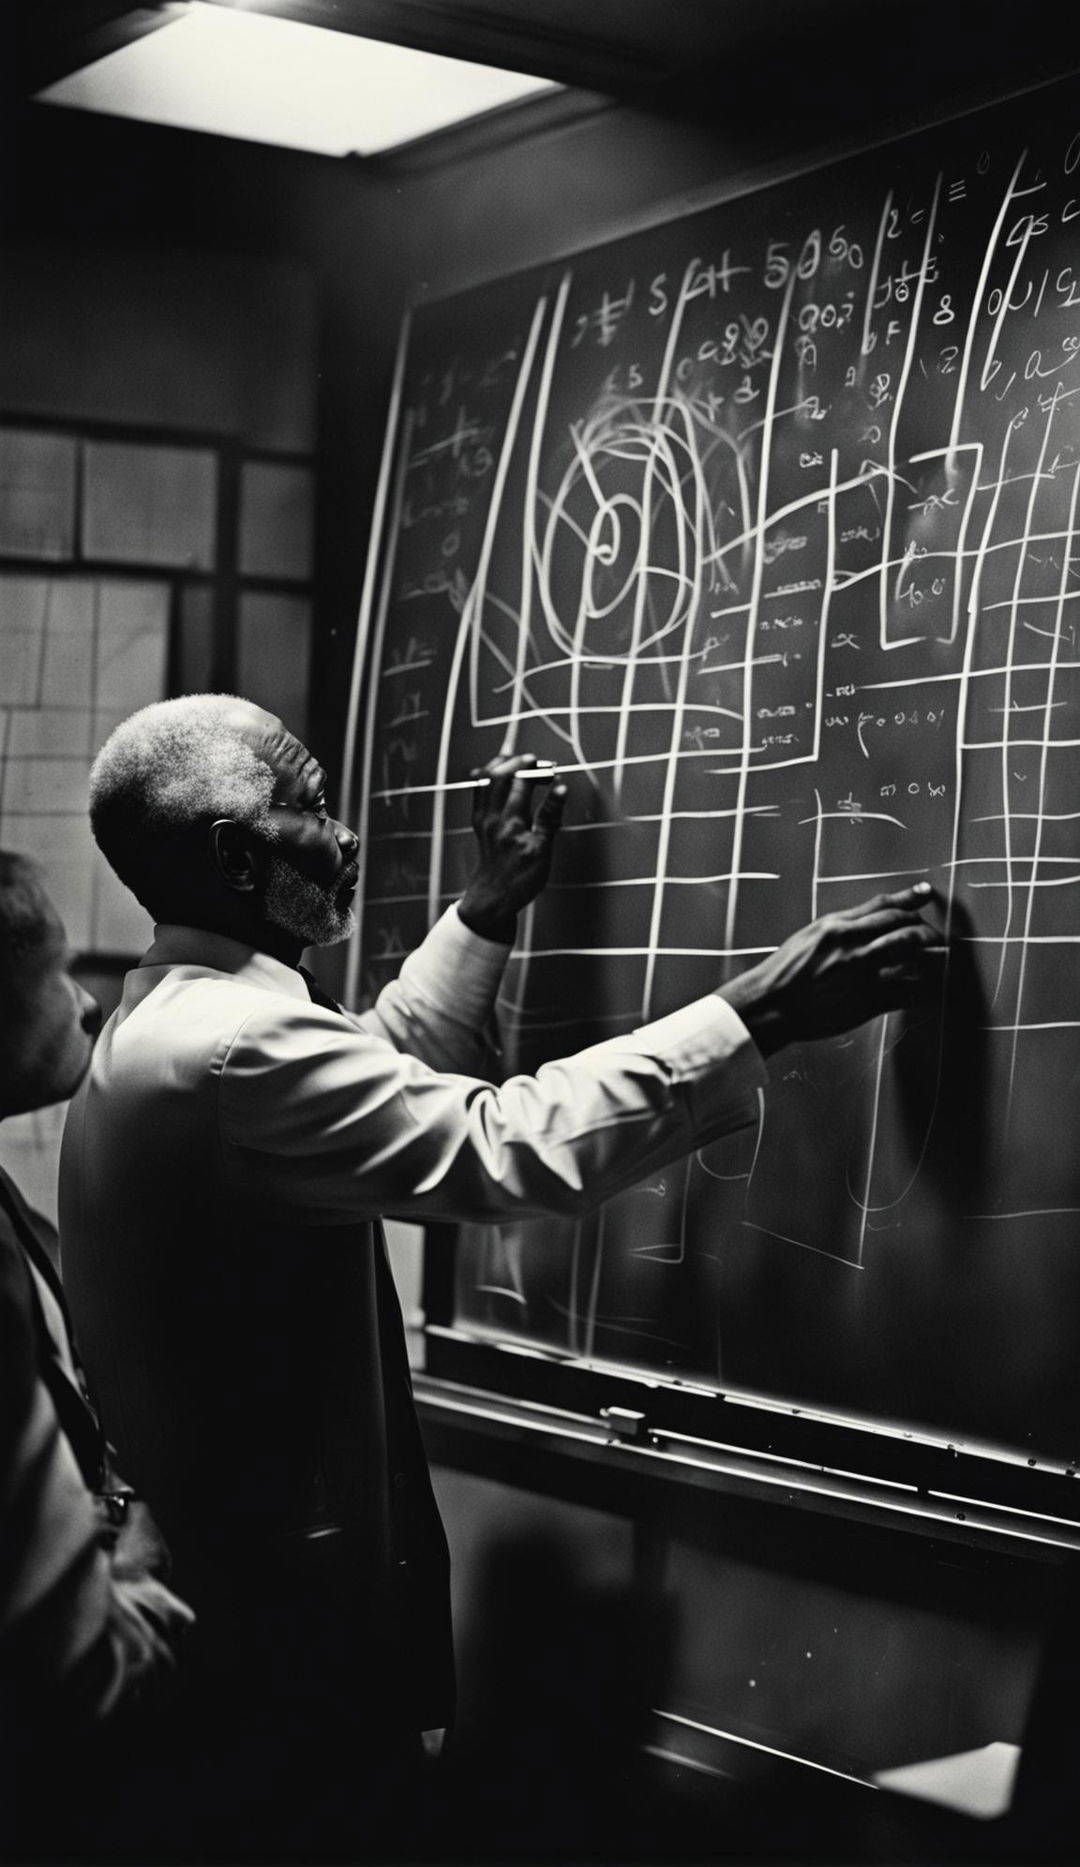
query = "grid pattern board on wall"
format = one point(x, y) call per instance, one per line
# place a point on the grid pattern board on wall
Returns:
point(134, 564)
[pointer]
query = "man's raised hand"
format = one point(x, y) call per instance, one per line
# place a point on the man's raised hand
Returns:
point(515, 819)
point(841, 970)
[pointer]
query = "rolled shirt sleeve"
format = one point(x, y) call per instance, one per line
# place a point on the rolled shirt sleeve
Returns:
point(332, 1123)
point(441, 1006)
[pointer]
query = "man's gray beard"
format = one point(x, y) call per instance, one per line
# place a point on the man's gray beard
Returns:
point(300, 907)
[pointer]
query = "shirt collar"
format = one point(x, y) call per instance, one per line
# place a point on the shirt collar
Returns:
point(174, 945)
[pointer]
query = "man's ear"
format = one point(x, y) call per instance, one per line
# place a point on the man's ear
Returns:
point(233, 855)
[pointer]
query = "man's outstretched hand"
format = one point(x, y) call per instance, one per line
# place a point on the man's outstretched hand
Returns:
point(515, 820)
point(841, 970)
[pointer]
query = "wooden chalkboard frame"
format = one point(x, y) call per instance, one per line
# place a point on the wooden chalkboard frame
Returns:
point(967, 1490)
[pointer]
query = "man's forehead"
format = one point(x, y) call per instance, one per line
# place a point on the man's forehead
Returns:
point(272, 740)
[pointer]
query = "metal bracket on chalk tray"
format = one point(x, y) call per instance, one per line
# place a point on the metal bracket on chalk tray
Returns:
point(625, 1424)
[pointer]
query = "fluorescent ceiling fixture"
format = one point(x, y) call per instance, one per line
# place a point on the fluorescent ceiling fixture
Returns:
point(268, 80)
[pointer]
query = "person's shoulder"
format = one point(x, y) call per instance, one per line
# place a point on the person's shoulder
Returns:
point(261, 1015)
point(191, 1010)
point(289, 1038)
point(185, 994)
point(173, 1031)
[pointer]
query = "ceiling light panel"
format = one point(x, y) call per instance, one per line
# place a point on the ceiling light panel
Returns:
point(269, 80)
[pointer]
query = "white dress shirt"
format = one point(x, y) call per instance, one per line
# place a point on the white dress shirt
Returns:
point(221, 1168)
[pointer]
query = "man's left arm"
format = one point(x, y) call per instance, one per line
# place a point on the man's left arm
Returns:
point(441, 1007)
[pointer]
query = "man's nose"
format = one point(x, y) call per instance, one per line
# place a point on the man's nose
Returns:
point(89, 1013)
point(348, 840)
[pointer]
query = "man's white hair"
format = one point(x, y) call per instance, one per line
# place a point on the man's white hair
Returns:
point(185, 759)
point(167, 768)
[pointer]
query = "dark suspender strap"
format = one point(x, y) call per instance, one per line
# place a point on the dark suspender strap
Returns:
point(74, 1410)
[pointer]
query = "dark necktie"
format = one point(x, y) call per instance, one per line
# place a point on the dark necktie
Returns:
point(316, 993)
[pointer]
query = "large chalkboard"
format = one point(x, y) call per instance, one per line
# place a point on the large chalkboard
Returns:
point(761, 524)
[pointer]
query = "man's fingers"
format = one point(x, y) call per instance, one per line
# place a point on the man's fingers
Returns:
point(506, 764)
point(909, 943)
point(489, 799)
point(906, 965)
point(519, 797)
point(917, 898)
point(859, 930)
point(502, 761)
point(505, 788)
point(500, 775)
point(549, 810)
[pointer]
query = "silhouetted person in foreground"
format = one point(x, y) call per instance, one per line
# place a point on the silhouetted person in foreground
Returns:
point(88, 1627)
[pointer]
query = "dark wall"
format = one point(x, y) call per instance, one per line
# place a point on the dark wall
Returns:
point(161, 337)
point(151, 276)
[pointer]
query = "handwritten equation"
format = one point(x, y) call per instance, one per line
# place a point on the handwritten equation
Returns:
point(762, 526)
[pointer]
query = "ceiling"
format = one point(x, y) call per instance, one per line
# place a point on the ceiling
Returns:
point(597, 44)
point(793, 74)
point(675, 53)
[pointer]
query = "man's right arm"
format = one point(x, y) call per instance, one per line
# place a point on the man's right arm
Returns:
point(841, 970)
point(325, 1124)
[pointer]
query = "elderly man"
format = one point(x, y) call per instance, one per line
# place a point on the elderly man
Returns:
point(223, 1172)
point(87, 1626)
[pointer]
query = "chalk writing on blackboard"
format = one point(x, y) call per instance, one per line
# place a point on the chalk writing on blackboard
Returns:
point(762, 526)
